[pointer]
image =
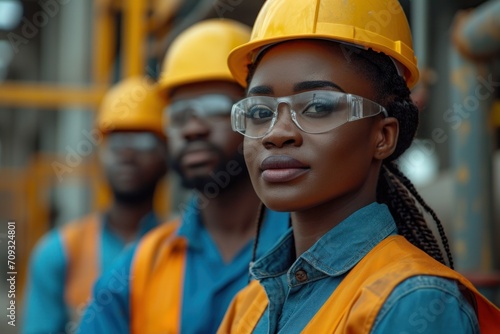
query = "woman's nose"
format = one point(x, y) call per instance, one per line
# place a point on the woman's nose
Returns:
point(284, 131)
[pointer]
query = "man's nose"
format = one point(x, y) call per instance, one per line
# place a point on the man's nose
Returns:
point(195, 128)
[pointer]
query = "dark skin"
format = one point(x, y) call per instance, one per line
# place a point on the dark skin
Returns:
point(230, 216)
point(342, 165)
point(132, 176)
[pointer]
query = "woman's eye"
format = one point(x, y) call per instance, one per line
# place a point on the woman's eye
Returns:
point(320, 108)
point(259, 112)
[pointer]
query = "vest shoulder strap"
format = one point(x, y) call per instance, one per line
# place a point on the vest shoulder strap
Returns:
point(157, 281)
point(356, 302)
point(80, 243)
point(245, 310)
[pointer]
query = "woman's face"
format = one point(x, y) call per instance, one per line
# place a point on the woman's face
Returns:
point(292, 170)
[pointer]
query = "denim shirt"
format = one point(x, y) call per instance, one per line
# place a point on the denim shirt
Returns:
point(297, 288)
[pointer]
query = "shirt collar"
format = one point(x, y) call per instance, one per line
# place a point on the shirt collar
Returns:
point(192, 228)
point(336, 252)
point(192, 225)
point(147, 223)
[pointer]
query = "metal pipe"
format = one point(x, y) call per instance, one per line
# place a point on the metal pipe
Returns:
point(104, 36)
point(475, 35)
point(420, 30)
point(134, 37)
point(47, 96)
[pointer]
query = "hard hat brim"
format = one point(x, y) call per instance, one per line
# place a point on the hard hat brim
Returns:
point(166, 87)
point(242, 56)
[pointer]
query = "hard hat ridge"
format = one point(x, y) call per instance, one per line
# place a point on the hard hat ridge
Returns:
point(378, 25)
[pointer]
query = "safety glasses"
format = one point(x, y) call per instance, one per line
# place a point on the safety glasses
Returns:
point(312, 112)
point(208, 107)
point(138, 141)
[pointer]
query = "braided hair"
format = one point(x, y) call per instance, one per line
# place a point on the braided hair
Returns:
point(394, 189)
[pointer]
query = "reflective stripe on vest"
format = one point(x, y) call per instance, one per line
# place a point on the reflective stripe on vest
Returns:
point(157, 274)
point(81, 243)
point(355, 303)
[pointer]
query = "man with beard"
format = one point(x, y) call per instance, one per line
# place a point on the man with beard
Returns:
point(67, 261)
point(185, 273)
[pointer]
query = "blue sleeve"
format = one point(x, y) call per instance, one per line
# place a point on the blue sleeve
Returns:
point(426, 304)
point(44, 305)
point(109, 309)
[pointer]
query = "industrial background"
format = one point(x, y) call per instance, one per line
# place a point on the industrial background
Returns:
point(58, 58)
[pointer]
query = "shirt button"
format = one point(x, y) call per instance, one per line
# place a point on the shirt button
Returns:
point(301, 275)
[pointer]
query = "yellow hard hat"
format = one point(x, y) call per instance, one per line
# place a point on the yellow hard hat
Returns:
point(200, 53)
point(133, 104)
point(380, 25)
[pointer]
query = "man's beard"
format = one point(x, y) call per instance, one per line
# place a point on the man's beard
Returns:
point(219, 177)
point(135, 196)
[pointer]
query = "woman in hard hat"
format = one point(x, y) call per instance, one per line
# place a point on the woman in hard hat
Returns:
point(328, 110)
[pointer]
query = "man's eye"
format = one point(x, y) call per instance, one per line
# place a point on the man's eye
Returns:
point(178, 118)
point(259, 112)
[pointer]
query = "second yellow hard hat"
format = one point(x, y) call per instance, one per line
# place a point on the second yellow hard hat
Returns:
point(200, 53)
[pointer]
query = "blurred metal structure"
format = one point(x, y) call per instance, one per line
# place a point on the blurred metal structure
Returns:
point(474, 78)
point(135, 31)
point(66, 55)
point(471, 147)
point(244, 11)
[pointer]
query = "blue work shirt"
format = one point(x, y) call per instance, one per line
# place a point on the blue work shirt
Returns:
point(209, 282)
point(45, 310)
point(298, 287)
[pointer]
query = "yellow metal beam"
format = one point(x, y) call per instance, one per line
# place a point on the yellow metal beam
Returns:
point(49, 96)
point(104, 43)
point(134, 37)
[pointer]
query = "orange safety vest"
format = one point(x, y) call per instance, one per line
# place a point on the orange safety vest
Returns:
point(157, 281)
point(355, 303)
point(81, 242)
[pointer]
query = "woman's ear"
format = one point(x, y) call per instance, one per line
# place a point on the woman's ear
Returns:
point(387, 137)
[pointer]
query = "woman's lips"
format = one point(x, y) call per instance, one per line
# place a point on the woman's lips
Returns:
point(282, 175)
point(282, 168)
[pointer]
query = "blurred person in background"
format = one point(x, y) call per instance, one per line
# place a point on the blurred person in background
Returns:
point(185, 273)
point(67, 261)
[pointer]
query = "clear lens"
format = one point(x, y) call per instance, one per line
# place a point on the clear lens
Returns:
point(206, 106)
point(312, 112)
point(142, 141)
